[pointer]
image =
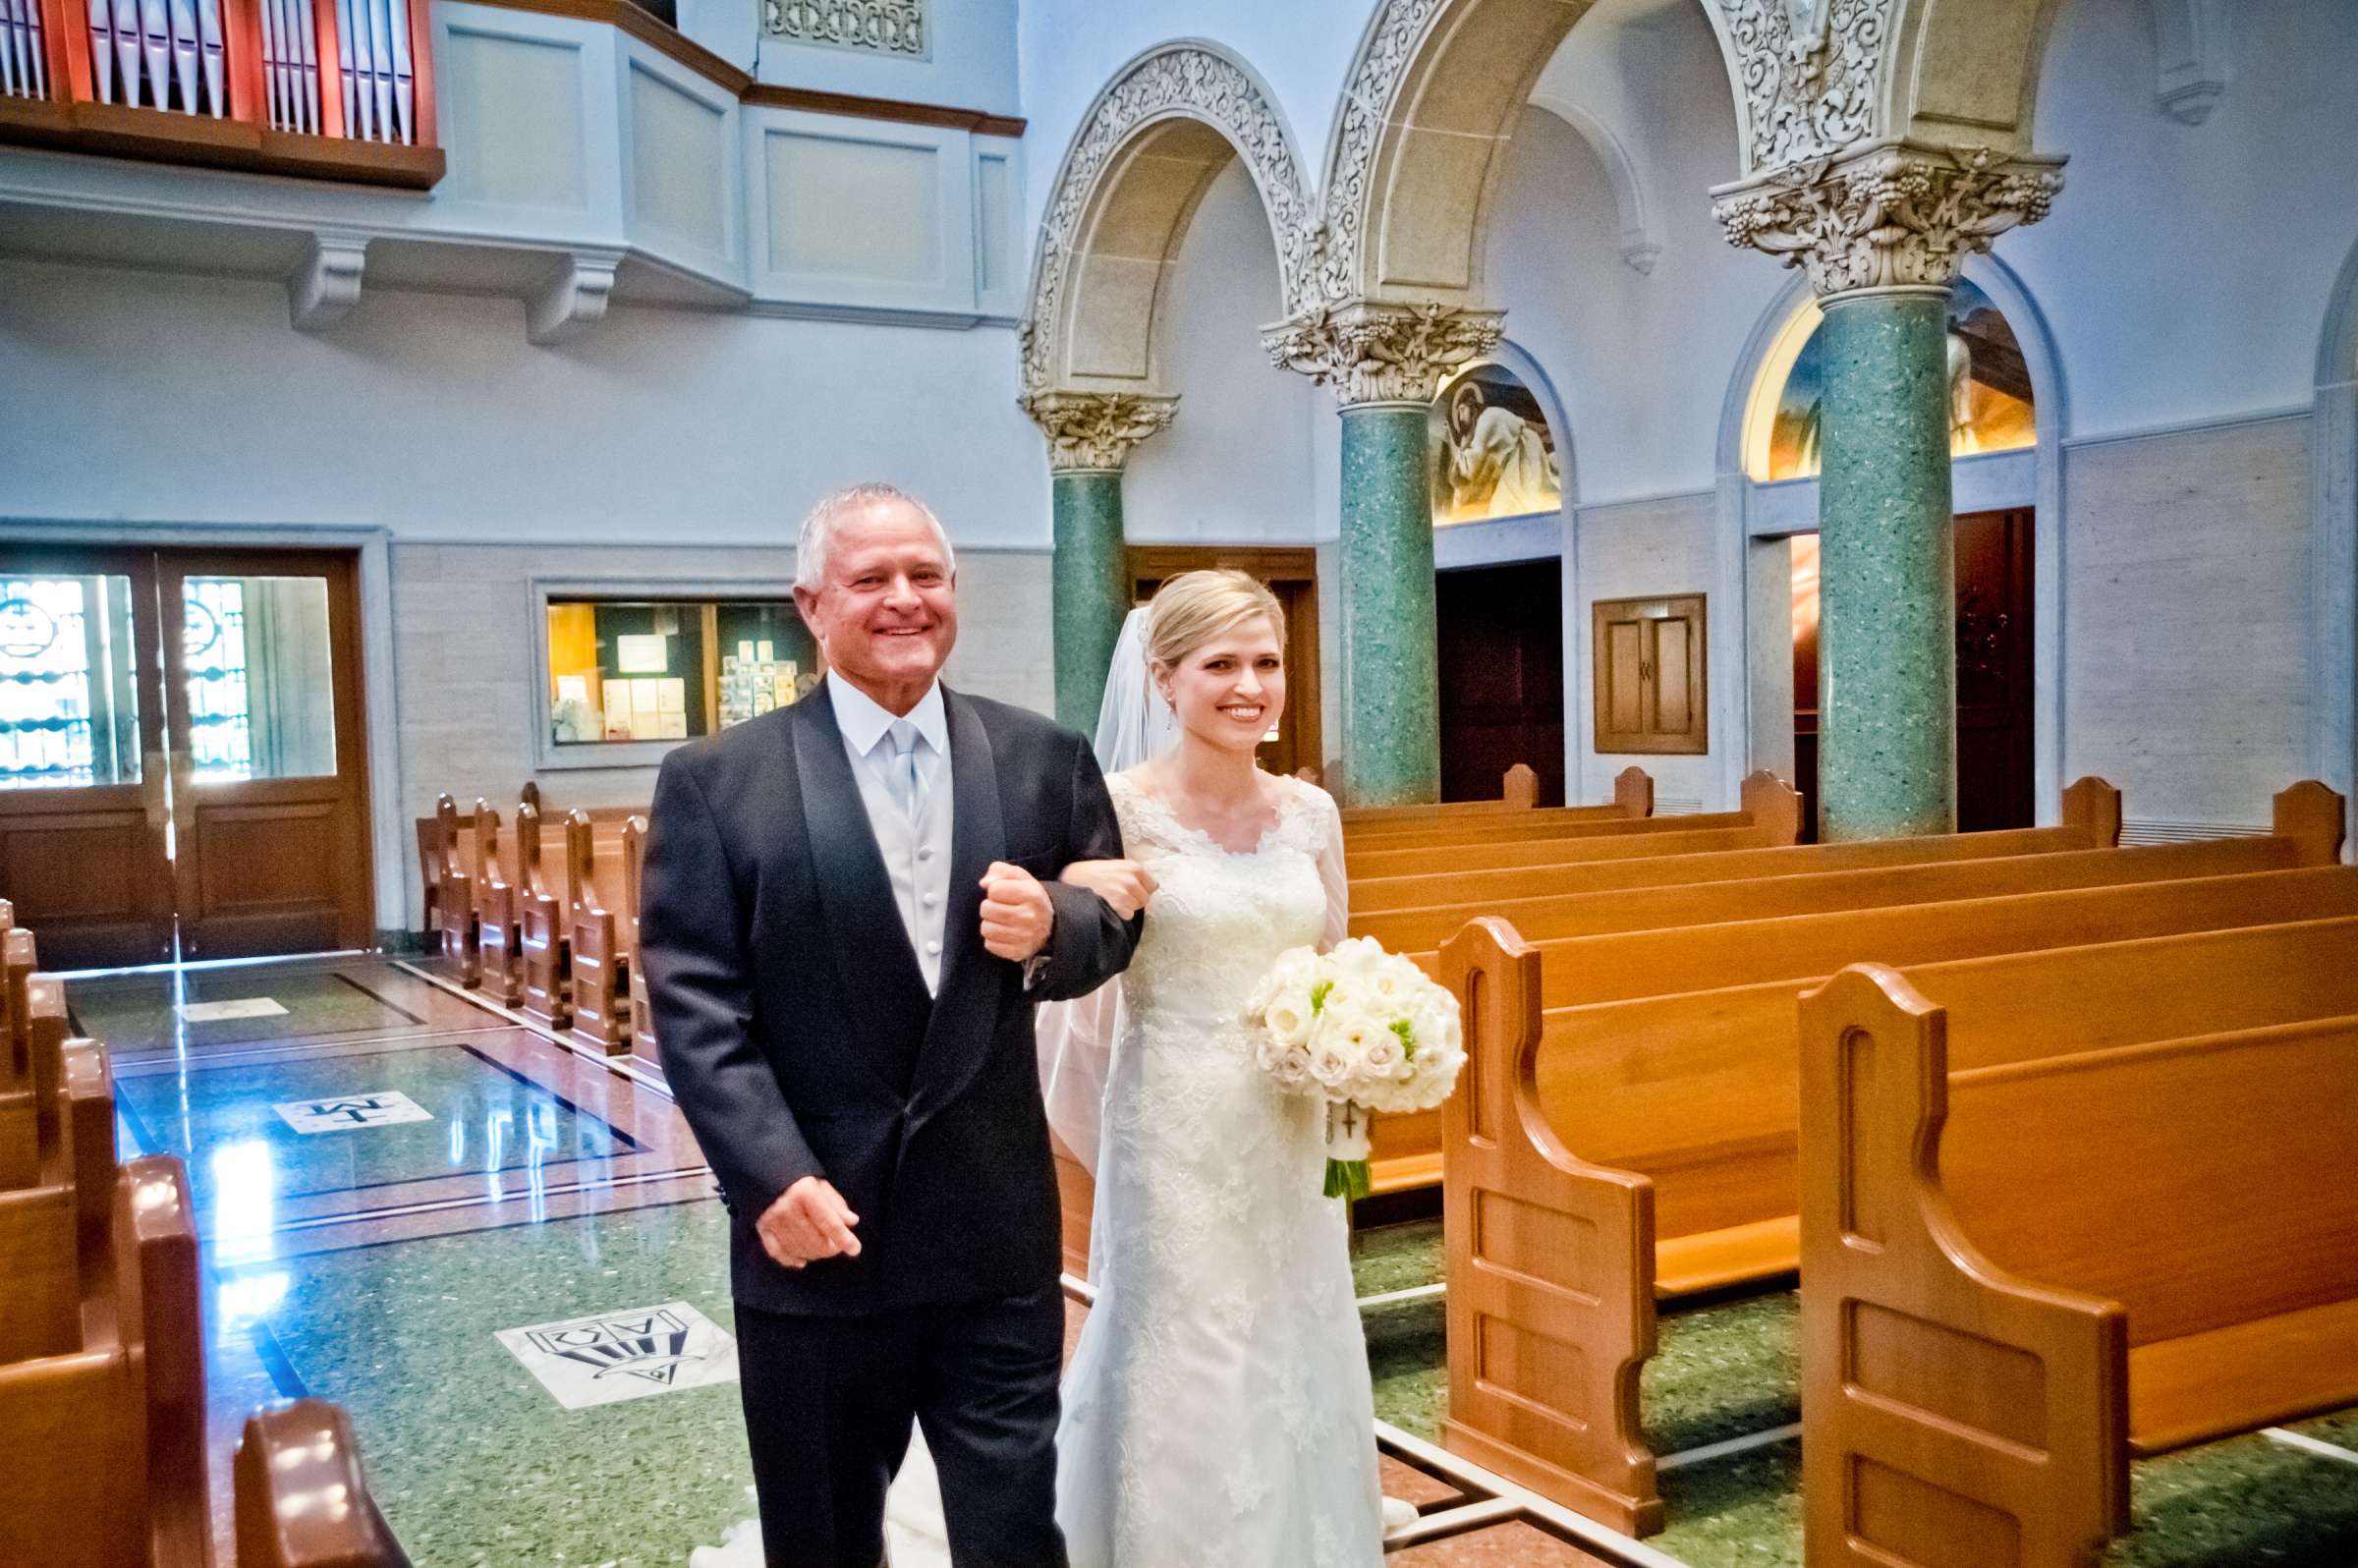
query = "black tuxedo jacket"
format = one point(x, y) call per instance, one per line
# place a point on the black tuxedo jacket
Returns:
point(794, 1023)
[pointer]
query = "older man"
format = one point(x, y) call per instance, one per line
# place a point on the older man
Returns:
point(848, 918)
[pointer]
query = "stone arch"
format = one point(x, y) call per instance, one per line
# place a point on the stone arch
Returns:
point(1817, 77)
point(1641, 241)
point(1148, 148)
point(1415, 154)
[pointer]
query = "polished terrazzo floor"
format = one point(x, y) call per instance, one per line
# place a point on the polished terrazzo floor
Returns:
point(473, 1180)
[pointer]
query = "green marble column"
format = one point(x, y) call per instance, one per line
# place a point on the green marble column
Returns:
point(1091, 593)
point(1887, 751)
point(1391, 682)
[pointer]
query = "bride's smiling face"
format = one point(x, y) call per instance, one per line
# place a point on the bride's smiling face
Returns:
point(1229, 691)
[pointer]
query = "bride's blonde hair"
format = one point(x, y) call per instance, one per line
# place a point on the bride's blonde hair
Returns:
point(1194, 607)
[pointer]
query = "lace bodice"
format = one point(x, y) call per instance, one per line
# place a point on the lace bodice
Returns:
point(1213, 905)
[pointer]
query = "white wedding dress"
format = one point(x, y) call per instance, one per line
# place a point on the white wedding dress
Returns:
point(1218, 1408)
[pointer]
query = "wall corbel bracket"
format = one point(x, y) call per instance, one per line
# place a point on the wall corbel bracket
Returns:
point(327, 283)
point(573, 300)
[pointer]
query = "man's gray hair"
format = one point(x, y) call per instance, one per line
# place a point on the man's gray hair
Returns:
point(818, 529)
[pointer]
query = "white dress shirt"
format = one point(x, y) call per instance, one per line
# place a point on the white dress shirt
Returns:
point(917, 855)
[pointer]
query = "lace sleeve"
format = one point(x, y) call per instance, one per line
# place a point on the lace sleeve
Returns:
point(1331, 871)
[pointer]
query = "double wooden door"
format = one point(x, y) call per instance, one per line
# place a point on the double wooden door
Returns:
point(1293, 577)
point(182, 770)
point(1996, 698)
point(1500, 633)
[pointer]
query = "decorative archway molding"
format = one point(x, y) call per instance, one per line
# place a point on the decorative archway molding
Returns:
point(1163, 128)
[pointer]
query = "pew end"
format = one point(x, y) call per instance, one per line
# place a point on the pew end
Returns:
point(1519, 791)
point(1544, 1353)
point(1926, 1444)
point(1774, 805)
point(1633, 791)
point(2313, 817)
point(302, 1499)
point(2094, 806)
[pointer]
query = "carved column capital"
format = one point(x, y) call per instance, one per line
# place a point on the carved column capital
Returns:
point(1370, 353)
point(1097, 429)
point(1893, 215)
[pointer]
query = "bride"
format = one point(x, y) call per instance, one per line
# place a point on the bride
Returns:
point(1218, 1409)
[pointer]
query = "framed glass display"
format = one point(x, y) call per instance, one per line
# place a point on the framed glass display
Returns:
point(625, 675)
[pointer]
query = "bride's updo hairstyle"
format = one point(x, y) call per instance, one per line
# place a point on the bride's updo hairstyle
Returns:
point(1194, 607)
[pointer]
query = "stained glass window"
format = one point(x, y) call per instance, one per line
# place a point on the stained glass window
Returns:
point(68, 692)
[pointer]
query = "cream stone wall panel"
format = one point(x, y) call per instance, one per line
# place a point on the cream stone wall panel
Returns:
point(2187, 618)
point(512, 120)
point(996, 271)
point(680, 162)
point(1662, 545)
point(818, 182)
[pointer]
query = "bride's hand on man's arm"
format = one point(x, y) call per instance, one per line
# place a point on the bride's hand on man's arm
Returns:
point(1124, 885)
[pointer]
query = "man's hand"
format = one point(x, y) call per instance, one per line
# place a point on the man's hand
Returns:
point(1016, 913)
point(1124, 885)
point(809, 1222)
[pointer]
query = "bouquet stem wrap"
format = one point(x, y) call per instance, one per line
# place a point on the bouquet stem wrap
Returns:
point(1348, 1128)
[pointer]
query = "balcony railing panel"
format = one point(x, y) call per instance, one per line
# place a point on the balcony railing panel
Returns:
point(339, 89)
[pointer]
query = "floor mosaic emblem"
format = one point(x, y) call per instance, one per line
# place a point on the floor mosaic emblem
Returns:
point(239, 1007)
point(344, 1112)
point(608, 1357)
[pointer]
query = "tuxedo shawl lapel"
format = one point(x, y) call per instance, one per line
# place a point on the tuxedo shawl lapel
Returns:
point(966, 1012)
point(858, 918)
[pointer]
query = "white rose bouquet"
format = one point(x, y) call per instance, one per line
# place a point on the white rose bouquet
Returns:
point(1362, 1028)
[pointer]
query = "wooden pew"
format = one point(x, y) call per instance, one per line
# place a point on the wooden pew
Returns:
point(105, 1437)
point(1504, 828)
point(302, 1498)
point(495, 936)
point(2021, 1274)
point(1518, 791)
point(542, 903)
point(458, 853)
point(634, 874)
point(444, 854)
point(48, 1227)
point(1770, 816)
point(1633, 797)
point(604, 919)
point(2091, 820)
point(1600, 1156)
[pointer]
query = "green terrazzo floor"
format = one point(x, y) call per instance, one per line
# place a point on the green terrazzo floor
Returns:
point(238, 1149)
point(135, 1015)
point(474, 1464)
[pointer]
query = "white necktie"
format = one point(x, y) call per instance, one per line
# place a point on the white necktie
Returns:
point(907, 785)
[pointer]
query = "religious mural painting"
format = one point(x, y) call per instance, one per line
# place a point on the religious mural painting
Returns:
point(1493, 452)
point(1989, 400)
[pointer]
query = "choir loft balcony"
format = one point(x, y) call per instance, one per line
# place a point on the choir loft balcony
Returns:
point(339, 90)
